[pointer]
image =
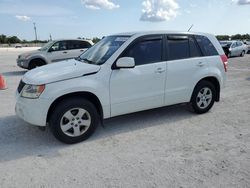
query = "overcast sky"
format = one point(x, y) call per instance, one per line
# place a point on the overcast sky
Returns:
point(97, 18)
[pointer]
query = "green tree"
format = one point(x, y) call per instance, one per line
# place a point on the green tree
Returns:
point(223, 37)
point(3, 39)
point(13, 39)
point(96, 39)
point(236, 37)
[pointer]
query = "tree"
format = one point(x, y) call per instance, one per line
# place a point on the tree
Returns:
point(13, 39)
point(3, 39)
point(236, 37)
point(223, 37)
point(96, 39)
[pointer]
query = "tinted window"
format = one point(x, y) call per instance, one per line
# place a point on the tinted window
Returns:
point(58, 46)
point(75, 44)
point(84, 44)
point(178, 49)
point(194, 49)
point(206, 46)
point(146, 51)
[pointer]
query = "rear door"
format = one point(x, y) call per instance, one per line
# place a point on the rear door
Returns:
point(186, 59)
point(77, 47)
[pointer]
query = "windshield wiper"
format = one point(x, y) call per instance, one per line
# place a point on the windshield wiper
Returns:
point(84, 60)
point(88, 61)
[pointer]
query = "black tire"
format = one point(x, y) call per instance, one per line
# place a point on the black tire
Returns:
point(196, 99)
point(36, 63)
point(242, 54)
point(65, 106)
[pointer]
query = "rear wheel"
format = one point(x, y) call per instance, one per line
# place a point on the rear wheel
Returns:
point(74, 120)
point(203, 97)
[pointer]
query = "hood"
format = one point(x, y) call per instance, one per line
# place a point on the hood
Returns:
point(59, 71)
point(33, 52)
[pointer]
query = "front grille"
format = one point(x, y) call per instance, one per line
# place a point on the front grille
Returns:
point(20, 86)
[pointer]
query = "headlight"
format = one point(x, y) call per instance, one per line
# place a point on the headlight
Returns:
point(26, 56)
point(32, 91)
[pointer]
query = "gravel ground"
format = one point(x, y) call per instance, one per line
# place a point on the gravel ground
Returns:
point(167, 147)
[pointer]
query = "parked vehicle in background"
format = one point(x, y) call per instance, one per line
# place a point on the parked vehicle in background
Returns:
point(53, 51)
point(122, 74)
point(247, 43)
point(234, 48)
point(18, 46)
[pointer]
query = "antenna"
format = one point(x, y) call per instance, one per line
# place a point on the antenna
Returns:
point(190, 27)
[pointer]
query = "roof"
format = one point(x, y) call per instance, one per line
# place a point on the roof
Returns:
point(159, 32)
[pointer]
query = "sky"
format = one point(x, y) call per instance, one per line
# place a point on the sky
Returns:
point(97, 18)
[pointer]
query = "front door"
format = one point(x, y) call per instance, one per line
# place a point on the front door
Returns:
point(142, 87)
point(58, 52)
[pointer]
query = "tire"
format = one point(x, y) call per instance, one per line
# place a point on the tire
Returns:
point(203, 97)
point(36, 63)
point(242, 54)
point(67, 119)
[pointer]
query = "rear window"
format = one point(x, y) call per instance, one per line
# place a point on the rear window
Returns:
point(182, 47)
point(75, 44)
point(178, 49)
point(206, 46)
point(194, 49)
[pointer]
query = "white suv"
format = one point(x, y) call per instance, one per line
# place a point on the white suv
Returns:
point(122, 74)
point(52, 52)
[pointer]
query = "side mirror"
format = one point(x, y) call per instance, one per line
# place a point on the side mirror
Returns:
point(125, 62)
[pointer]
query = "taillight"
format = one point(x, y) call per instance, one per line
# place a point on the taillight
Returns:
point(224, 61)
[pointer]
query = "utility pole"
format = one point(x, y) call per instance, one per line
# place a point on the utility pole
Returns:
point(50, 37)
point(35, 30)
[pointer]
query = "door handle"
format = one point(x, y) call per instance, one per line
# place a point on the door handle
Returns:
point(200, 64)
point(81, 50)
point(159, 70)
point(65, 52)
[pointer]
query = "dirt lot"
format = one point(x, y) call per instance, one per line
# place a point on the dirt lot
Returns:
point(167, 147)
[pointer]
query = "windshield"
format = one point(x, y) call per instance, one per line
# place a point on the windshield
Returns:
point(103, 50)
point(46, 46)
point(225, 43)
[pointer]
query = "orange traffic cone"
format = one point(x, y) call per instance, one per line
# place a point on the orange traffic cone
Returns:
point(2, 83)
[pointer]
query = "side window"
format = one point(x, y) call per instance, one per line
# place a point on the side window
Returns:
point(84, 44)
point(178, 49)
point(145, 51)
point(59, 46)
point(75, 44)
point(206, 46)
point(234, 45)
point(194, 49)
point(72, 45)
point(239, 44)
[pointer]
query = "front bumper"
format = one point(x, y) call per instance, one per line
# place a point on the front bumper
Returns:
point(23, 63)
point(33, 111)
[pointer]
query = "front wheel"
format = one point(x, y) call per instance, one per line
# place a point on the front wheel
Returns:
point(74, 120)
point(203, 97)
point(242, 54)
